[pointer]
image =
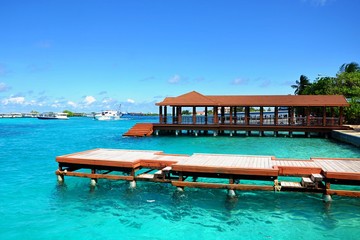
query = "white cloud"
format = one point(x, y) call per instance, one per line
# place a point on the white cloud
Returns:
point(14, 100)
point(3, 86)
point(89, 100)
point(130, 100)
point(240, 81)
point(175, 79)
point(108, 100)
point(318, 2)
point(266, 83)
point(72, 104)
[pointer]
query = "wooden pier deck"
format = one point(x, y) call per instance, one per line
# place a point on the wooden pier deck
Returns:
point(140, 130)
point(147, 129)
point(318, 174)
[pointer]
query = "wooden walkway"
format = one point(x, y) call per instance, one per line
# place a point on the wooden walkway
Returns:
point(140, 130)
point(137, 165)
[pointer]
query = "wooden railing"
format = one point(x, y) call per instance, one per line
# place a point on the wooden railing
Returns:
point(255, 120)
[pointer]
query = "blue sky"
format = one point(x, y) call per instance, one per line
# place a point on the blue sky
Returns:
point(89, 55)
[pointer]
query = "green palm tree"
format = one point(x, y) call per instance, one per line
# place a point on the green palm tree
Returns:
point(349, 67)
point(301, 84)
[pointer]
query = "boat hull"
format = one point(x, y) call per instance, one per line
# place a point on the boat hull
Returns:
point(52, 118)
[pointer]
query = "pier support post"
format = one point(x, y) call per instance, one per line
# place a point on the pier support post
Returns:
point(157, 132)
point(132, 184)
point(327, 198)
point(60, 178)
point(176, 132)
point(93, 182)
point(248, 133)
point(291, 134)
point(215, 133)
point(261, 133)
point(308, 134)
point(231, 133)
point(231, 193)
point(196, 133)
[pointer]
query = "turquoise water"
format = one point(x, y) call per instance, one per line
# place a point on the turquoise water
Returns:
point(34, 206)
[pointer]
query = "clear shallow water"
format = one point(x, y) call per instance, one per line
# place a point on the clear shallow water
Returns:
point(33, 206)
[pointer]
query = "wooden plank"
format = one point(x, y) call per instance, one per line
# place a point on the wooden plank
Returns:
point(307, 182)
point(297, 171)
point(96, 175)
point(145, 176)
point(316, 177)
point(228, 170)
point(343, 176)
point(243, 187)
point(344, 193)
point(290, 184)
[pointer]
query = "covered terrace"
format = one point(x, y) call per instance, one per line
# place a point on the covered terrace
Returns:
point(305, 113)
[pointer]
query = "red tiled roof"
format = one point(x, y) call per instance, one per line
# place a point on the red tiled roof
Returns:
point(196, 99)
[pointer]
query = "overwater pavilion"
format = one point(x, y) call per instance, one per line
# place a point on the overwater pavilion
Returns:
point(290, 113)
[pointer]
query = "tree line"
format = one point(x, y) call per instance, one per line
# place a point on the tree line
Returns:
point(346, 82)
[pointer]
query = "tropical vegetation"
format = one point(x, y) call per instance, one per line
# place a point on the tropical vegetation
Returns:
point(346, 82)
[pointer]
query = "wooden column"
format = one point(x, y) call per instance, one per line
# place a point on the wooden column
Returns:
point(173, 115)
point(291, 116)
point(231, 115)
point(222, 117)
point(160, 115)
point(179, 115)
point(235, 115)
point(216, 120)
point(307, 113)
point(324, 116)
point(276, 116)
point(165, 114)
point(341, 116)
point(194, 115)
point(247, 114)
point(261, 116)
point(288, 116)
point(206, 115)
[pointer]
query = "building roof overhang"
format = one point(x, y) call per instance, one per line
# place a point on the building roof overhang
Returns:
point(195, 99)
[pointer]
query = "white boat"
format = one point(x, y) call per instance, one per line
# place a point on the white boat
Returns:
point(108, 115)
point(53, 116)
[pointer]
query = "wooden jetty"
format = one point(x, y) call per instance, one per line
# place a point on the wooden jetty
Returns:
point(316, 175)
point(230, 114)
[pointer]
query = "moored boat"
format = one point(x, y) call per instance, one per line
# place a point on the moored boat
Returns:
point(53, 116)
point(108, 115)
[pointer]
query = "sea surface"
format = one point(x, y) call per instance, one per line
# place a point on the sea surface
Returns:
point(34, 206)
